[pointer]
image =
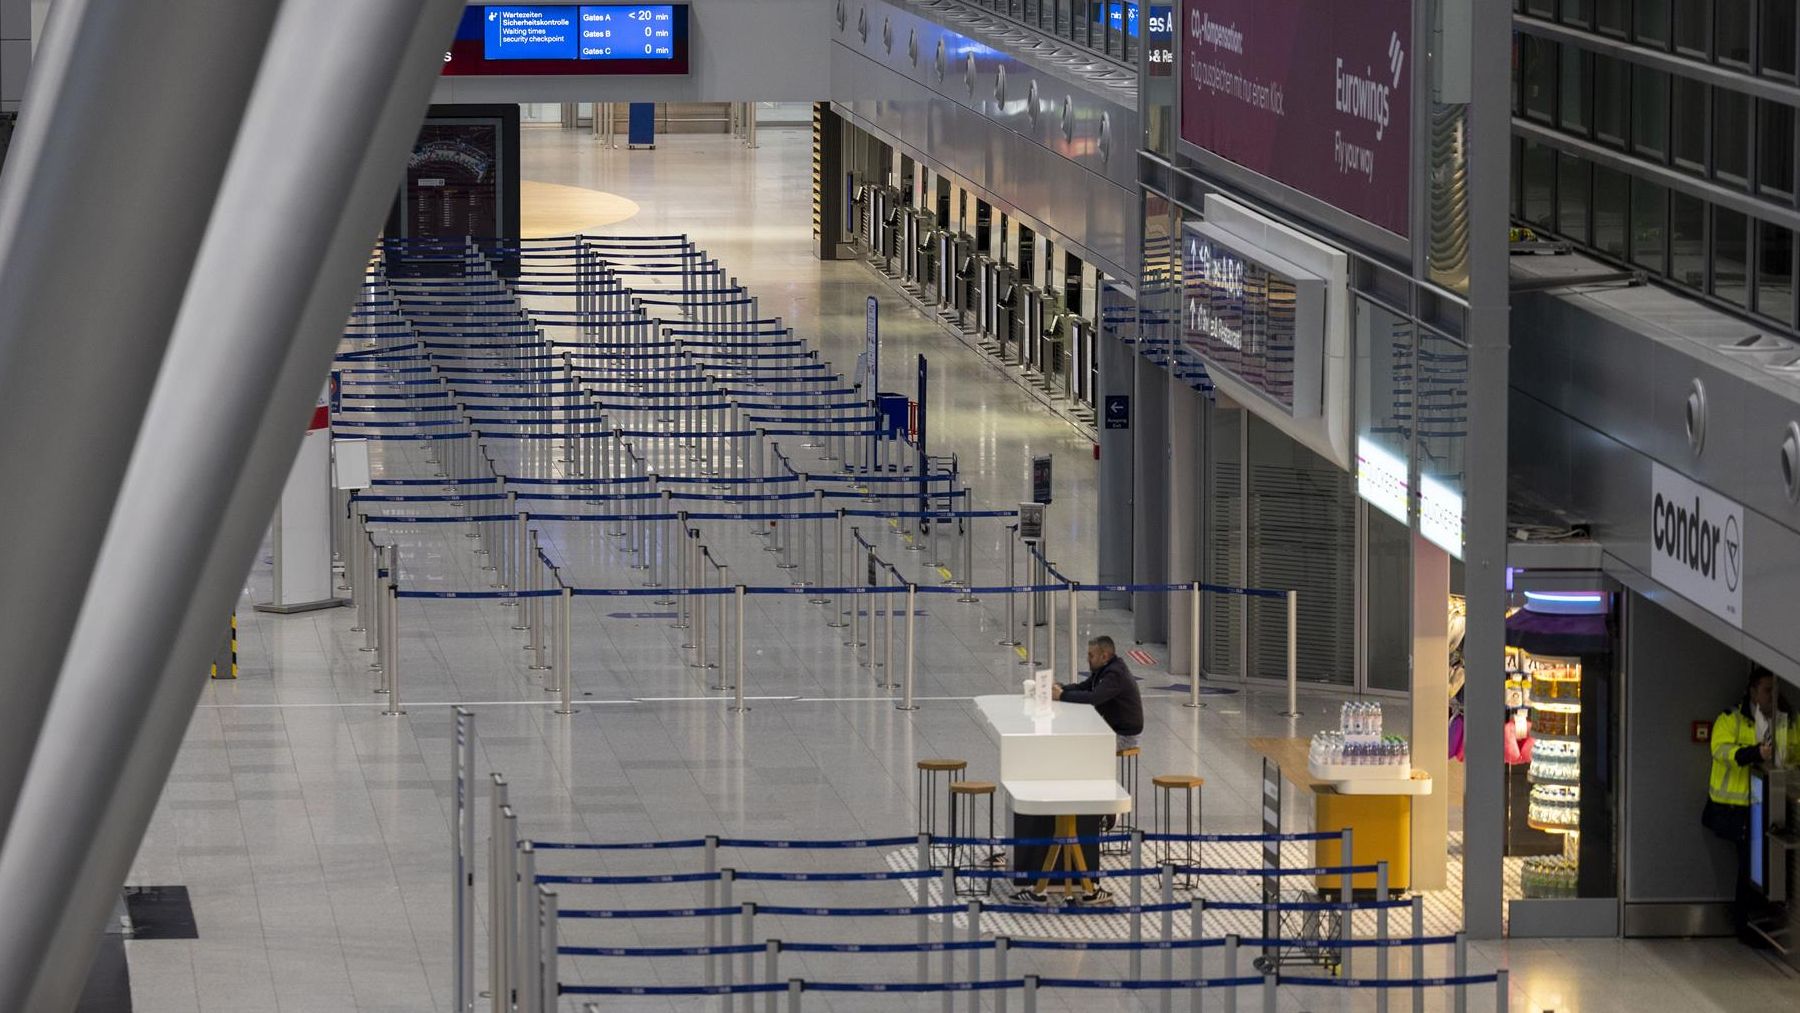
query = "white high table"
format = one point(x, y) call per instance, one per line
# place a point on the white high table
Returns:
point(1059, 764)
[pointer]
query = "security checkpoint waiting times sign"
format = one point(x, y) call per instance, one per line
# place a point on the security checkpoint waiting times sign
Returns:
point(587, 32)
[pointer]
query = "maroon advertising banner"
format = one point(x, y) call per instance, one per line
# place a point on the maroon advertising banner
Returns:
point(1314, 94)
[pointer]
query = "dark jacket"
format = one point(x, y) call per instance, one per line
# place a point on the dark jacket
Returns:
point(1113, 691)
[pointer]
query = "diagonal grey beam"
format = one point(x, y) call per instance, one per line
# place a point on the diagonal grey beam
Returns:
point(102, 208)
point(259, 324)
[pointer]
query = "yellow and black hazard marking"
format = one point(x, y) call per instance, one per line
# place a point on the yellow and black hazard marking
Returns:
point(228, 657)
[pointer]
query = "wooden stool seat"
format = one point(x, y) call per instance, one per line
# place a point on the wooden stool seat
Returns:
point(1128, 751)
point(972, 787)
point(943, 765)
point(1177, 781)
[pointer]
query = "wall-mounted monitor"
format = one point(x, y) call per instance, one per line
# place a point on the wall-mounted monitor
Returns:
point(570, 39)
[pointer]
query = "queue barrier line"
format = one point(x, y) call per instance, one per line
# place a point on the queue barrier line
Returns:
point(982, 945)
point(893, 875)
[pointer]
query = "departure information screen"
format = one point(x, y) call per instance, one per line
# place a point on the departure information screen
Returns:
point(544, 39)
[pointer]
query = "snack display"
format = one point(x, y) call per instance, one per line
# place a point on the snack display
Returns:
point(1563, 723)
point(1549, 876)
point(1554, 807)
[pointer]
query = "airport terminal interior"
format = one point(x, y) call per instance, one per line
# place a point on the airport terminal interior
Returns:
point(900, 505)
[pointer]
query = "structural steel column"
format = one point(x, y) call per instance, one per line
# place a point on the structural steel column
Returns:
point(102, 208)
point(258, 327)
point(1186, 415)
point(1484, 545)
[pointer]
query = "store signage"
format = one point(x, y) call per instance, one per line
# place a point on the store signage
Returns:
point(1697, 543)
point(1254, 315)
point(872, 343)
point(1441, 515)
point(1040, 479)
point(1316, 96)
point(1381, 479)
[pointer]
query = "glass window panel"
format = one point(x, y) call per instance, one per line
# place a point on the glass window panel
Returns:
point(1612, 16)
point(1775, 148)
point(1577, 87)
point(1518, 177)
point(1688, 135)
point(1578, 12)
point(1650, 22)
point(1693, 24)
point(1573, 191)
point(1731, 256)
point(1687, 240)
point(1649, 226)
point(1612, 99)
point(1540, 185)
point(1650, 112)
point(1731, 135)
point(1731, 31)
point(1775, 272)
point(1538, 80)
point(1776, 33)
point(1612, 197)
point(1543, 8)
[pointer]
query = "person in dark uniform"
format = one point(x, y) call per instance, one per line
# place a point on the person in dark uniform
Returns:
point(1111, 689)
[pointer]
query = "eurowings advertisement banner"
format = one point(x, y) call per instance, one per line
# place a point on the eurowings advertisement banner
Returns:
point(1314, 94)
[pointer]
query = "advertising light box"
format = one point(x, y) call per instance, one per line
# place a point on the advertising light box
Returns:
point(1314, 95)
point(1255, 316)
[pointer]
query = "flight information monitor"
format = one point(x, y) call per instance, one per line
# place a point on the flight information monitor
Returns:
point(570, 39)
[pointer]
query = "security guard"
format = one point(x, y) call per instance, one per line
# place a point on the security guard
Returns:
point(1759, 731)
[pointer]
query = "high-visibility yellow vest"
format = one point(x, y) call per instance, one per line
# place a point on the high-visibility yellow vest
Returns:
point(1732, 731)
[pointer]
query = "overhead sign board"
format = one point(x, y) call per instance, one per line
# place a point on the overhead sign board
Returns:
point(1381, 479)
point(1314, 95)
point(1118, 411)
point(568, 39)
point(1255, 316)
point(1697, 543)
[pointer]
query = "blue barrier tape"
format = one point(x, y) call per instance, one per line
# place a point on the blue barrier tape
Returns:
point(1157, 984)
point(1309, 835)
point(637, 880)
point(1304, 905)
point(545, 593)
point(662, 951)
point(1465, 979)
point(676, 845)
point(1110, 909)
point(860, 912)
point(930, 947)
point(883, 876)
point(867, 842)
point(446, 519)
point(913, 986)
point(1200, 870)
point(744, 989)
point(1116, 945)
point(635, 913)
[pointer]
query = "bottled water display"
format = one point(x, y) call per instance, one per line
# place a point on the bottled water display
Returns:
point(1359, 742)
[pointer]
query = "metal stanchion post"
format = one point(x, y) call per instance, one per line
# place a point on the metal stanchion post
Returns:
point(1418, 953)
point(1231, 971)
point(968, 562)
point(747, 917)
point(500, 904)
point(737, 705)
point(818, 597)
point(1293, 655)
point(547, 909)
point(534, 608)
point(1501, 997)
point(887, 638)
point(1049, 618)
point(391, 630)
point(1001, 945)
point(1460, 992)
point(837, 597)
point(710, 860)
point(1197, 955)
point(906, 702)
point(1381, 935)
point(565, 662)
point(1193, 700)
point(924, 902)
point(796, 988)
point(1030, 661)
point(1031, 990)
point(525, 928)
point(1268, 992)
point(1346, 853)
point(1137, 907)
point(728, 933)
point(1012, 580)
point(1074, 627)
point(462, 835)
point(771, 971)
point(949, 953)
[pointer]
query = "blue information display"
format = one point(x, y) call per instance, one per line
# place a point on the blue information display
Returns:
point(586, 32)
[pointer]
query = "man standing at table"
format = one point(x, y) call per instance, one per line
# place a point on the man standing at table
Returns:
point(1112, 690)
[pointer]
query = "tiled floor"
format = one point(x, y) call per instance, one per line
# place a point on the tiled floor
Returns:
point(313, 832)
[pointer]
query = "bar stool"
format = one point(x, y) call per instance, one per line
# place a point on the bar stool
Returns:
point(1125, 824)
point(963, 797)
point(1189, 852)
point(935, 776)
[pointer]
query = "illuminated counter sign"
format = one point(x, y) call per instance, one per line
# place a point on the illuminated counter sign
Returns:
point(1441, 515)
point(1381, 479)
point(639, 32)
point(1255, 316)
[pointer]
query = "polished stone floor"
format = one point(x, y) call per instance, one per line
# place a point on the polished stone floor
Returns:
point(313, 833)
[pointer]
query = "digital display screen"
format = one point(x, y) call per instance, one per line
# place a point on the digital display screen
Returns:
point(570, 39)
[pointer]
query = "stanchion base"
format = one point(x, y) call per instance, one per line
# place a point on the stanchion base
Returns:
point(539, 668)
point(1008, 643)
point(1289, 714)
point(903, 707)
point(817, 601)
point(571, 710)
point(393, 714)
point(1195, 706)
point(787, 566)
point(838, 625)
point(916, 547)
point(967, 599)
point(739, 710)
point(367, 650)
point(310, 606)
point(359, 629)
point(640, 566)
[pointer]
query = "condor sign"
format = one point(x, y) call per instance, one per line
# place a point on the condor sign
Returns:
point(1697, 544)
